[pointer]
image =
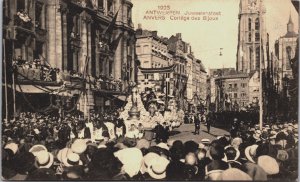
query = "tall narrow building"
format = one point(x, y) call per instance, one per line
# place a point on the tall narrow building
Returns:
point(251, 31)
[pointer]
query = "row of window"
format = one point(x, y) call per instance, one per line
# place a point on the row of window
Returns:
point(151, 76)
point(235, 95)
point(250, 24)
point(257, 37)
point(243, 85)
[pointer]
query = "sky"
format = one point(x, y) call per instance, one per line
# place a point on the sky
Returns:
point(207, 37)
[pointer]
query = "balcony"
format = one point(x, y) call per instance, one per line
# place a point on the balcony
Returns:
point(106, 84)
point(29, 72)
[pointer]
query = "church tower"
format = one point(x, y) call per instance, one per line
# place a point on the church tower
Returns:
point(251, 31)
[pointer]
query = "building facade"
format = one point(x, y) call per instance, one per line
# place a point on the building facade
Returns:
point(251, 33)
point(85, 46)
point(232, 92)
point(168, 66)
point(285, 50)
point(156, 64)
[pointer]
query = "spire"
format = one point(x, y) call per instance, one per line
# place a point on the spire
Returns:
point(290, 25)
point(290, 19)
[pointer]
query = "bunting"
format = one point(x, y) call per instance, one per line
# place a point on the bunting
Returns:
point(114, 44)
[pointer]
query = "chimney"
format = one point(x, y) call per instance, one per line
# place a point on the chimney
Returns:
point(139, 30)
point(154, 33)
point(139, 26)
point(178, 35)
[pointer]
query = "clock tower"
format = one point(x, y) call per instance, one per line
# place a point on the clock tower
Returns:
point(251, 31)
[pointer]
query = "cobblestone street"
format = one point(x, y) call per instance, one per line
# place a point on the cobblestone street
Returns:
point(186, 132)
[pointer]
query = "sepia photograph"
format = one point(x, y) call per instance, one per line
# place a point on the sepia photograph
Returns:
point(146, 90)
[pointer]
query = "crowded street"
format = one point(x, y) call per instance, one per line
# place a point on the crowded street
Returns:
point(132, 90)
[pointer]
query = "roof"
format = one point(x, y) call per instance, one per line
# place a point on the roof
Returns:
point(290, 34)
point(202, 68)
point(147, 33)
point(155, 70)
point(238, 75)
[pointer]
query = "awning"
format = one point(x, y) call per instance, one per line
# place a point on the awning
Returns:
point(32, 89)
point(121, 97)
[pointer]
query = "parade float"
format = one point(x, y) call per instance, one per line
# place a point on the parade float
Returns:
point(135, 113)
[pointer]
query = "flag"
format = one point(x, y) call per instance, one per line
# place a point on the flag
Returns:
point(84, 67)
point(114, 44)
point(110, 28)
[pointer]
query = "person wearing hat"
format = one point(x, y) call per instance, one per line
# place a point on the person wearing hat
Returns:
point(209, 120)
point(234, 174)
point(250, 166)
point(280, 140)
point(232, 157)
point(120, 128)
point(175, 170)
point(268, 164)
point(23, 164)
point(217, 165)
point(44, 159)
point(103, 166)
point(157, 168)
point(197, 124)
point(132, 159)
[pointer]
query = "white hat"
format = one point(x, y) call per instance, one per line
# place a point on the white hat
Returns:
point(44, 159)
point(102, 146)
point(132, 159)
point(12, 146)
point(269, 164)
point(250, 152)
point(36, 131)
point(148, 158)
point(205, 141)
point(157, 168)
point(79, 146)
point(37, 148)
point(163, 146)
point(63, 154)
point(72, 159)
point(233, 174)
point(201, 146)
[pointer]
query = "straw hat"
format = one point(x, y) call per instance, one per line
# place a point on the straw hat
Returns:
point(72, 159)
point(132, 159)
point(157, 168)
point(250, 152)
point(44, 159)
point(12, 146)
point(79, 146)
point(205, 141)
point(147, 159)
point(269, 164)
point(163, 146)
point(233, 174)
point(37, 148)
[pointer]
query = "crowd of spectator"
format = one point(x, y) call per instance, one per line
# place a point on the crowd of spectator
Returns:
point(36, 147)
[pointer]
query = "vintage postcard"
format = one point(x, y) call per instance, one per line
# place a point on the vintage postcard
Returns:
point(191, 90)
